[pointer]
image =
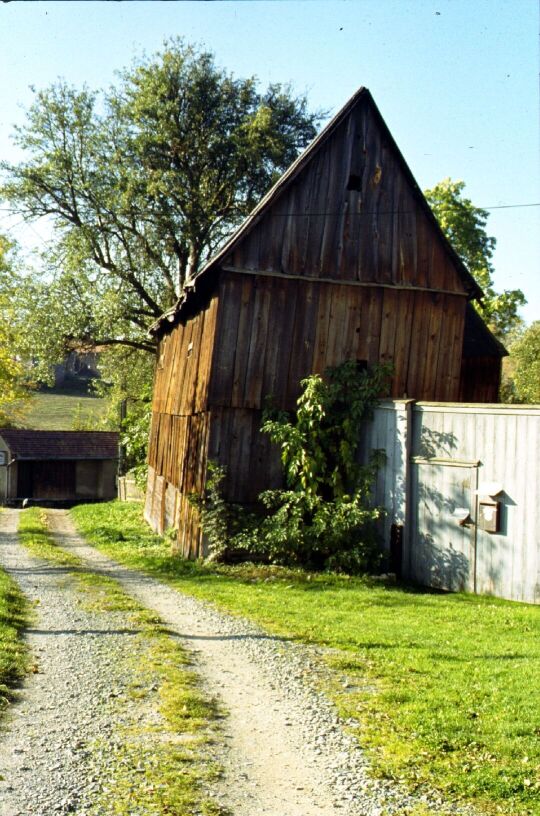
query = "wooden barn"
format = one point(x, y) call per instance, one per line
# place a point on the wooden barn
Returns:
point(342, 259)
point(57, 466)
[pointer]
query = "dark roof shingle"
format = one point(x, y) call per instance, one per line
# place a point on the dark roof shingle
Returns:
point(26, 444)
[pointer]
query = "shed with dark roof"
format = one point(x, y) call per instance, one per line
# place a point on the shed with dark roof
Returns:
point(57, 465)
point(342, 259)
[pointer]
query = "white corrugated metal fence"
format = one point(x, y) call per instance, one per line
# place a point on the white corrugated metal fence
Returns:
point(451, 470)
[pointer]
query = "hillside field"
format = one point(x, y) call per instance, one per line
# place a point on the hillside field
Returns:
point(63, 412)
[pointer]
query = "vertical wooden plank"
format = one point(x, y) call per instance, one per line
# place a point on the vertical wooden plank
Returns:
point(407, 270)
point(419, 339)
point(388, 325)
point(293, 292)
point(325, 324)
point(278, 339)
point(258, 340)
point(424, 240)
point(431, 353)
point(226, 339)
point(333, 203)
point(373, 320)
point(457, 324)
point(404, 318)
point(205, 356)
point(338, 327)
point(247, 293)
point(353, 321)
point(303, 341)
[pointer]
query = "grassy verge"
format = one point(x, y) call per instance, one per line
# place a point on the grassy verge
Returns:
point(160, 765)
point(13, 653)
point(446, 688)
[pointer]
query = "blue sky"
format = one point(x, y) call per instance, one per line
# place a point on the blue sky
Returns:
point(456, 81)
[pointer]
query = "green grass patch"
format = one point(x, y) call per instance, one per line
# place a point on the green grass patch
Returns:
point(161, 768)
point(445, 687)
point(35, 536)
point(63, 412)
point(14, 658)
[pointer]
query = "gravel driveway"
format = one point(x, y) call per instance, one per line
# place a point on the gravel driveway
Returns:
point(285, 752)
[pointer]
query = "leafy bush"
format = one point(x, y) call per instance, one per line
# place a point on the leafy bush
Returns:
point(322, 519)
point(135, 429)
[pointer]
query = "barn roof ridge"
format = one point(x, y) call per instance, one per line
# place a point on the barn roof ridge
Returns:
point(201, 278)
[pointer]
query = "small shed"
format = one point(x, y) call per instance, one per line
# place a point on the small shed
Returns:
point(57, 465)
point(342, 259)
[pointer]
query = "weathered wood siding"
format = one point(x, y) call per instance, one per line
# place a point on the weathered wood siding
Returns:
point(272, 332)
point(179, 431)
point(480, 379)
point(184, 364)
point(380, 232)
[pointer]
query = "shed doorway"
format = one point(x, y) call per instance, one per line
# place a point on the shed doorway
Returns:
point(46, 480)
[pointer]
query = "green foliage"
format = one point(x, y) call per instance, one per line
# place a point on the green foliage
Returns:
point(525, 359)
point(142, 183)
point(465, 227)
point(134, 436)
point(323, 519)
point(13, 394)
point(319, 445)
point(228, 527)
point(14, 616)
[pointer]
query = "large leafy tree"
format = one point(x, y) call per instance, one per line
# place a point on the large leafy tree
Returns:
point(12, 390)
point(525, 365)
point(142, 182)
point(465, 227)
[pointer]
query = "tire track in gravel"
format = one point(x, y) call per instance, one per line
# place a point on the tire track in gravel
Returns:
point(269, 768)
point(286, 751)
point(71, 699)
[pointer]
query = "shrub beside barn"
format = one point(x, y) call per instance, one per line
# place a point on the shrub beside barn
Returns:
point(342, 259)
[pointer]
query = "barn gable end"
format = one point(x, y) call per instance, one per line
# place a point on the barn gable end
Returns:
point(351, 212)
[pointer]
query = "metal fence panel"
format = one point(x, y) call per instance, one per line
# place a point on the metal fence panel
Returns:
point(440, 457)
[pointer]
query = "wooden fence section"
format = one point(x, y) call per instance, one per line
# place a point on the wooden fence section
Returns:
point(452, 470)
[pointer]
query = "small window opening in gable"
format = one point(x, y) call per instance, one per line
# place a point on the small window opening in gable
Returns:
point(354, 183)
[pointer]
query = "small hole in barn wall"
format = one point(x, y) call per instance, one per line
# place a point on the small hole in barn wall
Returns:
point(361, 365)
point(189, 349)
point(354, 183)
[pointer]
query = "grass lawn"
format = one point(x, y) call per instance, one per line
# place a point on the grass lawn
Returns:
point(446, 688)
point(63, 412)
point(13, 653)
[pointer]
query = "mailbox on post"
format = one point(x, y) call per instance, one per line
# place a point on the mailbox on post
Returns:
point(489, 509)
point(489, 515)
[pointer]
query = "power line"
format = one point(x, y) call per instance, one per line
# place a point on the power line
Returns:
point(387, 212)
